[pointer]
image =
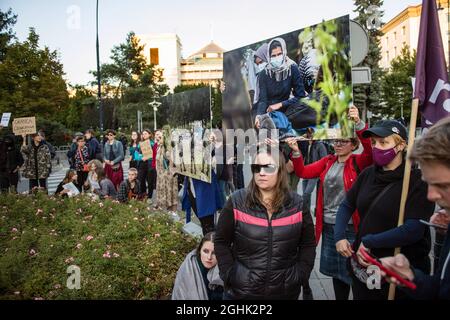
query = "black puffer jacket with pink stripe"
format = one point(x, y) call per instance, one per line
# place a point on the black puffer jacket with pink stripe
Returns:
point(260, 258)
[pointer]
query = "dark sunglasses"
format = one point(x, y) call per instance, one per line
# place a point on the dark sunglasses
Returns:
point(268, 168)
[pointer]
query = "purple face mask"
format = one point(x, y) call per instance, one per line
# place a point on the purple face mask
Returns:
point(383, 157)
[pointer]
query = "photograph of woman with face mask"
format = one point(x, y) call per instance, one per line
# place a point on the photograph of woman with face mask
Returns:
point(280, 84)
point(376, 195)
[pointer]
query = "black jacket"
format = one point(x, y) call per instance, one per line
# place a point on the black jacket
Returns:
point(262, 259)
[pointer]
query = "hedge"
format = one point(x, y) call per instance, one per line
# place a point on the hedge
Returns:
point(124, 251)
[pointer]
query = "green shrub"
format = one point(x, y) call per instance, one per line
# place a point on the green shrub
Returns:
point(134, 253)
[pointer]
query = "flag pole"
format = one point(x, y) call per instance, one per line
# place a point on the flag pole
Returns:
point(406, 178)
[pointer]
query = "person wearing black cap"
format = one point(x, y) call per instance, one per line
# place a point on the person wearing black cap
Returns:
point(376, 195)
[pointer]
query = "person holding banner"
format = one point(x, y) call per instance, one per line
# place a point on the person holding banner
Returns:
point(37, 163)
point(376, 195)
point(146, 173)
point(432, 154)
point(81, 160)
point(337, 173)
point(114, 155)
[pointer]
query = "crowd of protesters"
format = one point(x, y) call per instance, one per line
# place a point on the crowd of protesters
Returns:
point(260, 240)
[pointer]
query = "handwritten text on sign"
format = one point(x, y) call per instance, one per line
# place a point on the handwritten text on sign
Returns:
point(23, 126)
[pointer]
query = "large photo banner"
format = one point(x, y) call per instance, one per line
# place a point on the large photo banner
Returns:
point(186, 128)
point(295, 81)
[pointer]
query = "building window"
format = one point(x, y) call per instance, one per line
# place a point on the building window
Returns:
point(154, 56)
point(395, 52)
point(387, 57)
point(404, 30)
point(395, 35)
point(387, 41)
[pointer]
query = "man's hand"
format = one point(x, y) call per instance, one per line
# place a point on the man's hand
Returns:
point(442, 218)
point(353, 113)
point(398, 264)
point(274, 107)
point(344, 248)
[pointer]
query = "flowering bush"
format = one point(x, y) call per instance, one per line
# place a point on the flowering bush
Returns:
point(123, 252)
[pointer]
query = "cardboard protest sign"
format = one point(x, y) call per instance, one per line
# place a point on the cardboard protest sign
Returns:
point(146, 149)
point(23, 126)
point(300, 79)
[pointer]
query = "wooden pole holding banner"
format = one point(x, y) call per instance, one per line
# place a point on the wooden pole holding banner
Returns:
point(406, 178)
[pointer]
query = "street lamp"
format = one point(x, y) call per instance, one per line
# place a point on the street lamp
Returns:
point(99, 90)
point(155, 104)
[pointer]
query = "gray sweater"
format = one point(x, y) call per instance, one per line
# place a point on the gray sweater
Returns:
point(107, 189)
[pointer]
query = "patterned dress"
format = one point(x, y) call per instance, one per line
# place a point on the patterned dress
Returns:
point(166, 184)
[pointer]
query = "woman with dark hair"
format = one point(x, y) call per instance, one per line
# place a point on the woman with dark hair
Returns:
point(135, 151)
point(146, 173)
point(95, 151)
point(376, 195)
point(337, 173)
point(114, 156)
point(81, 159)
point(107, 189)
point(71, 177)
point(198, 277)
point(265, 245)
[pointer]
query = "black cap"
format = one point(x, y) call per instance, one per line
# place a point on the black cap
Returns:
point(385, 128)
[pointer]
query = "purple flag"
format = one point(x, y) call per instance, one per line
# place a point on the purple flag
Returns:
point(431, 85)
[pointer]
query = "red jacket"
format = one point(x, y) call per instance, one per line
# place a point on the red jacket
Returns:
point(320, 168)
point(155, 150)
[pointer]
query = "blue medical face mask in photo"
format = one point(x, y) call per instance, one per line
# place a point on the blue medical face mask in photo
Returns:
point(260, 67)
point(276, 62)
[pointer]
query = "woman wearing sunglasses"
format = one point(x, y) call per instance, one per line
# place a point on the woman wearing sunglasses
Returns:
point(337, 174)
point(265, 245)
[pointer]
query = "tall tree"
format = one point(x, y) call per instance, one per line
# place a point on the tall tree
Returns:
point(368, 96)
point(131, 80)
point(397, 86)
point(7, 20)
point(32, 80)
